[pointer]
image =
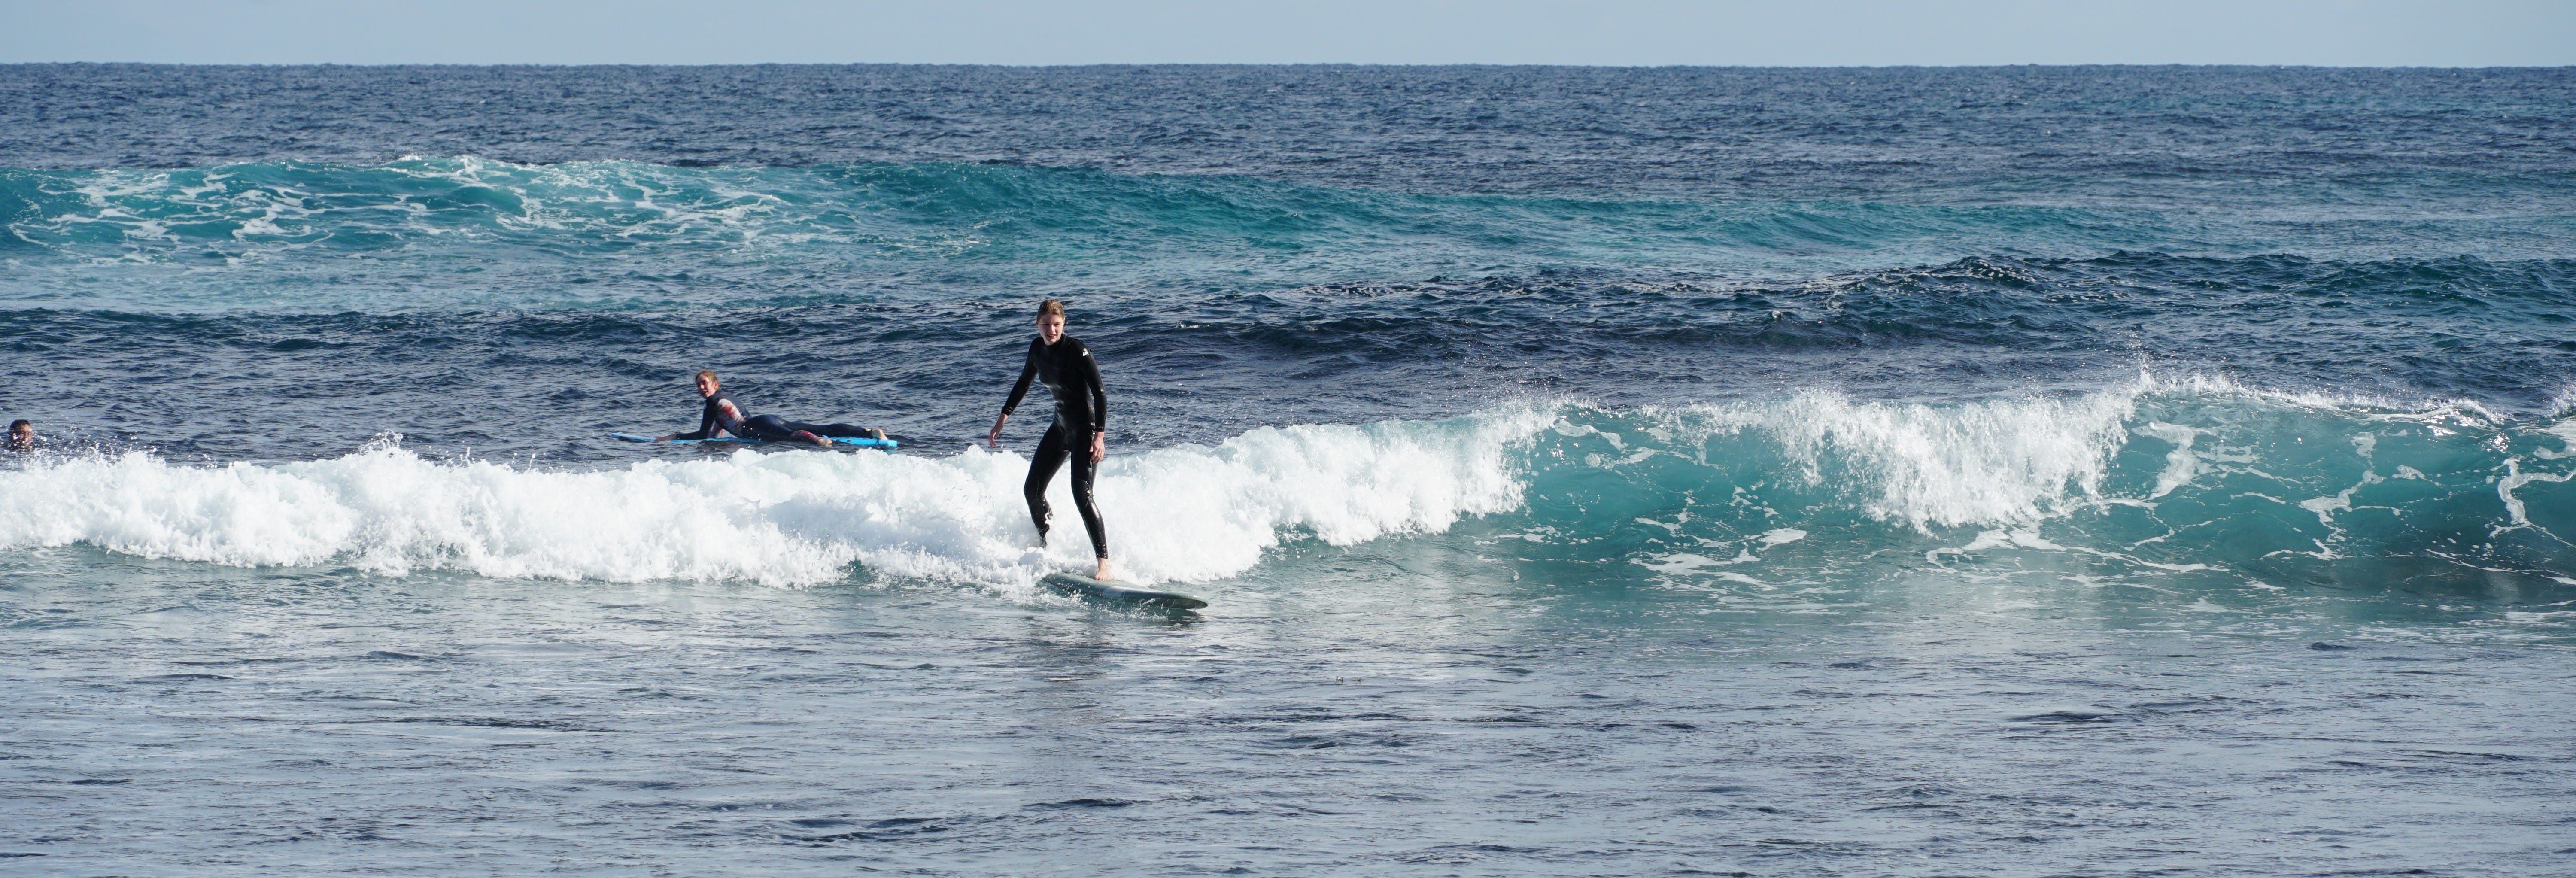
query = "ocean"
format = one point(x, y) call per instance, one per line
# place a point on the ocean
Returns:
point(1959, 471)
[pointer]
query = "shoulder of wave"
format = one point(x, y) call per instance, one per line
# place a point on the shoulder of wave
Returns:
point(2148, 384)
point(2368, 405)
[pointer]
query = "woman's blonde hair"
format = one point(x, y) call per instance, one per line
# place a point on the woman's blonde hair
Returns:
point(1050, 306)
point(709, 375)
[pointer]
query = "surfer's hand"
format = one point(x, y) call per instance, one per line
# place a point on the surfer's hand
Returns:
point(995, 438)
point(1099, 446)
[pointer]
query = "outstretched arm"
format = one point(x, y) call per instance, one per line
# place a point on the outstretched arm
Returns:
point(706, 426)
point(720, 417)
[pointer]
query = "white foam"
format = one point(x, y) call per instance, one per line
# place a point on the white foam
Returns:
point(2326, 507)
point(2180, 464)
point(2566, 433)
point(1974, 463)
point(2514, 477)
point(1190, 513)
point(1678, 564)
point(2564, 403)
point(2198, 384)
point(1985, 540)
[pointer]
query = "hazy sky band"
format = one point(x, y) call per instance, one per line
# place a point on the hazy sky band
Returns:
point(1638, 32)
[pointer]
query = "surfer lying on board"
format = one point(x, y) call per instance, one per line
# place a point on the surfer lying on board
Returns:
point(1081, 415)
point(722, 415)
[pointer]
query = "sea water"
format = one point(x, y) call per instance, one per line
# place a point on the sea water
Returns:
point(2025, 471)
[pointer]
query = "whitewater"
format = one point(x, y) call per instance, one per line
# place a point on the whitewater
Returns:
point(1683, 471)
point(773, 519)
point(1871, 472)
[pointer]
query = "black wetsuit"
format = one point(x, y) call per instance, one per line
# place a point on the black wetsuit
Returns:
point(766, 428)
point(772, 428)
point(713, 418)
point(1081, 409)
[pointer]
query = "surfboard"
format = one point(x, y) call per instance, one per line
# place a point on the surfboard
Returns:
point(852, 441)
point(1087, 587)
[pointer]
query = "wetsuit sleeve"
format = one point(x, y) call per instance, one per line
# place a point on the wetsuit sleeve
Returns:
point(712, 419)
point(706, 423)
point(1028, 372)
point(1099, 397)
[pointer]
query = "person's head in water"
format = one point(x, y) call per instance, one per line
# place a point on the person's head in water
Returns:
point(1051, 321)
point(22, 435)
point(707, 383)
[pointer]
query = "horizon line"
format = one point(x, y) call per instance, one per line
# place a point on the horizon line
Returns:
point(1355, 64)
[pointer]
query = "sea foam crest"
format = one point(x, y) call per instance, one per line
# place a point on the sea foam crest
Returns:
point(1190, 513)
point(1984, 462)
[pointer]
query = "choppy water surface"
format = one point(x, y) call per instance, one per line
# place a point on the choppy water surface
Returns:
point(2061, 471)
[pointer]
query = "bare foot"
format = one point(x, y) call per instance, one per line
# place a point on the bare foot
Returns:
point(1102, 574)
point(879, 434)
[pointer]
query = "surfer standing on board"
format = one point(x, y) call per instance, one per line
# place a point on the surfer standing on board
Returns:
point(722, 415)
point(1081, 415)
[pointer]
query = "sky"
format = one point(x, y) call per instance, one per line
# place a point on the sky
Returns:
point(2456, 33)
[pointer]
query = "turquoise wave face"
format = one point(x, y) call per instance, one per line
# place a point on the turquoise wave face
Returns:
point(2170, 493)
point(468, 232)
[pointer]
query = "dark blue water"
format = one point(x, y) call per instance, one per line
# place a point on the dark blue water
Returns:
point(1994, 471)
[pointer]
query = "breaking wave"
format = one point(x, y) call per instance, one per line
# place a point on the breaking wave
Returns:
point(2161, 477)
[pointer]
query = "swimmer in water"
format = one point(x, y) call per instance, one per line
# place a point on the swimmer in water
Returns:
point(1079, 432)
point(22, 436)
point(721, 414)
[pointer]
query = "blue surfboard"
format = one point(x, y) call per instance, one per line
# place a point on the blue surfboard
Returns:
point(852, 441)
